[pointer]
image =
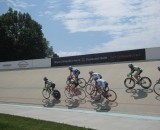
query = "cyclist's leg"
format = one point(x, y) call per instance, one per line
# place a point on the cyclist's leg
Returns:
point(76, 79)
point(136, 75)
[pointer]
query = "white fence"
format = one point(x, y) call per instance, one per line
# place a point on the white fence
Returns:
point(153, 53)
point(25, 64)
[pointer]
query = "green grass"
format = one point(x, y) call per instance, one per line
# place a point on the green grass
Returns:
point(11, 122)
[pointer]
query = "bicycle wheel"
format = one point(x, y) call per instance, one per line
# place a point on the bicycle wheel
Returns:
point(80, 93)
point(56, 94)
point(68, 93)
point(82, 82)
point(111, 95)
point(89, 88)
point(46, 93)
point(156, 89)
point(129, 83)
point(95, 94)
point(145, 82)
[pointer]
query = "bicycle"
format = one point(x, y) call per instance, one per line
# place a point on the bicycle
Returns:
point(144, 82)
point(156, 87)
point(81, 81)
point(50, 90)
point(71, 90)
point(97, 93)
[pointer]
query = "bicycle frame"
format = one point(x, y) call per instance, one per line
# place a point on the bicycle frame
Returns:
point(135, 80)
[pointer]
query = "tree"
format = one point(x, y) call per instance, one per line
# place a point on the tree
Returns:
point(21, 38)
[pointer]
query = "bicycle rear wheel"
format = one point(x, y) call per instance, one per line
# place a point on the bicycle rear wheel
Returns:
point(46, 93)
point(56, 94)
point(80, 93)
point(156, 89)
point(81, 82)
point(129, 83)
point(111, 95)
point(145, 82)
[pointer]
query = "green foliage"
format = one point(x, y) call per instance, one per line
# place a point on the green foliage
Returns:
point(10, 122)
point(21, 38)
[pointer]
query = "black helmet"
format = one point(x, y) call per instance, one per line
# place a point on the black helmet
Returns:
point(45, 79)
point(158, 68)
point(130, 65)
point(91, 72)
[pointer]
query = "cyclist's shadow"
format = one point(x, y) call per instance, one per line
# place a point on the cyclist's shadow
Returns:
point(50, 102)
point(74, 103)
point(101, 105)
point(139, 93)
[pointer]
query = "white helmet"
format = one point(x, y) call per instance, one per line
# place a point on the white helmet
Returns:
point(70, 67)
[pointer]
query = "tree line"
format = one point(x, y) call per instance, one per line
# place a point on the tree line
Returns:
point(21, 38)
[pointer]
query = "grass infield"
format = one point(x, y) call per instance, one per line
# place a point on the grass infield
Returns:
point(11, 122)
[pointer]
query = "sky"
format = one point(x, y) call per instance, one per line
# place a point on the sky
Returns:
point(78, 27)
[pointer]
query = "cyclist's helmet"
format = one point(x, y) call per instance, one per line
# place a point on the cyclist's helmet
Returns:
point(91, 72)
point(70, 67)
point(158, 68)
point(45, 79)
point(130, 65)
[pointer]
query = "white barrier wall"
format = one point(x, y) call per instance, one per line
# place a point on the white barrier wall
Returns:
point(25, 64)
point(153, 53)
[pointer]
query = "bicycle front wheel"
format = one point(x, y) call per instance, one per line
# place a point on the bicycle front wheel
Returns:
point(89, 89)
point(129, 83)
point(111, 95)
point(46, 93)
point(82, 82)
point(145, 82)
point(68, 93)
point(95, 94)
point(156, 89)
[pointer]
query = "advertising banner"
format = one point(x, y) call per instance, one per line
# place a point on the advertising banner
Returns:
point(130, 55)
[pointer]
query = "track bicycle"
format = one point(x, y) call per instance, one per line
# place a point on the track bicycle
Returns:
point(96, 93)
point(156, 87)
point(50, 90)
point(144, 82)
point(71, 80)
point(71, 91)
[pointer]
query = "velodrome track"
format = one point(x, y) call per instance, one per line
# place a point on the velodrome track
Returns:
point(25, 87)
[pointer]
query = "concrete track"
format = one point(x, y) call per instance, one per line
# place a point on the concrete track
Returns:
point(25, 87)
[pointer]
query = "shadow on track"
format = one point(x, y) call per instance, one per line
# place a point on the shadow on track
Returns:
point(74, 103)
point(103, 105)
point(139, 93)
point(50, 102)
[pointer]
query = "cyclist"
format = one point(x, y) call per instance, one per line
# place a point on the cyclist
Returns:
point(49, 83)
point(93, 75)
point(137, 73)
point(101, 83)
point(74, 72)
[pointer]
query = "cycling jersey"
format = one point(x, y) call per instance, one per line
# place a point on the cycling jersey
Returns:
point(137, 69)
point(102, 83)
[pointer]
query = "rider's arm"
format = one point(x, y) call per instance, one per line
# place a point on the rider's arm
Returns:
point(132, 71)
